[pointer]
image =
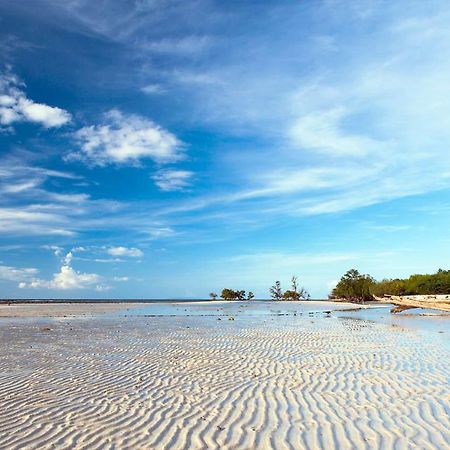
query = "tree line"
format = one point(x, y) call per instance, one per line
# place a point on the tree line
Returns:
point(293, 294)
point(357, 287)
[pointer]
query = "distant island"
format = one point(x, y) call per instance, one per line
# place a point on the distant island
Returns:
point(295, 293)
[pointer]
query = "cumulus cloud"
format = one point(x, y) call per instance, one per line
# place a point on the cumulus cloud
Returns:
point(16, 107)
point(172, 180)
point(66, 279)
point(132, 252)
point(126, 139)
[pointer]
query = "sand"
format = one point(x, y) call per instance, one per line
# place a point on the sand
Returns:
point(439, 302)
point(61, 309)
point(285, 379)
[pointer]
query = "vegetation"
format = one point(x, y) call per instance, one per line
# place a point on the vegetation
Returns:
point(354, 287)
point(275, 291)
point(230, 294)
point(427, 284)
point(293, 294)
point(213, 296)
point(359, 288)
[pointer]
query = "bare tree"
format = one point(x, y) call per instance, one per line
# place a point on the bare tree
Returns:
point(296, 293)
point(276, 292)
point(294, 283)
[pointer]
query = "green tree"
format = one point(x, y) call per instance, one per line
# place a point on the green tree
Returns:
point(275, 291)
point(213, 296)
point(354, 287)
point(389, 287)
point(250, 295)
point(228, 294)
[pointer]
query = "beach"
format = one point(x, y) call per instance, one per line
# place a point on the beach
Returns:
point(216, 375)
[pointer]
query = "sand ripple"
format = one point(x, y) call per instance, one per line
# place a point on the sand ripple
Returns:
point(196, 383)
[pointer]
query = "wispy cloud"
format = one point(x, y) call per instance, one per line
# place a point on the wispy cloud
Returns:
point(125, 251)
point(186, 45)
point(153, 88)
point(173, 180)
point(16, 274)
point(161, 232)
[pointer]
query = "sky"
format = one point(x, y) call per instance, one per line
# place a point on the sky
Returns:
point(169, 149)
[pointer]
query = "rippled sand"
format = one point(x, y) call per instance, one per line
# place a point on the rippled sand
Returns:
point(294, 381)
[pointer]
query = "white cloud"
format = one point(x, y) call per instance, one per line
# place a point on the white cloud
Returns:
point(48, 116)
point(120, 278)
point(172, 180)
point(187, 45)
point(132, 252)
point(66, 279)
point(153, 89)
point(126, 139)
point(14, 274)
point(102, 288)
point(68, 259)
point(196, 78)
point(161, 232)
point(320, 131)
point(108, 260)
point(16, 107)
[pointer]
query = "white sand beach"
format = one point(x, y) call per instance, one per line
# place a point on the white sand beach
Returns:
point(276, 377)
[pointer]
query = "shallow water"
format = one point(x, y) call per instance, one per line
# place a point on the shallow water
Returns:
point(223, 308)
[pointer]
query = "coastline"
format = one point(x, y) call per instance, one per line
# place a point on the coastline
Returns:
point(63, 308)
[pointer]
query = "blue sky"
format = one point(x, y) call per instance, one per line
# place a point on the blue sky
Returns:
point(166, 148)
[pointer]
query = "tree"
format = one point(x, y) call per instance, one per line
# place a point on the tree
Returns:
point(295, 293)
point(354, 287)
point(291, 295)
point(418, 284)
point(294, 283)
point(250, 295)
point(228, 294)
point(275, 291)
point(213, 296)
point(389, 287)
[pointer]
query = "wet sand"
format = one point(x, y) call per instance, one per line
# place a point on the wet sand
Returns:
point(175, 376)
point(61, 309)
